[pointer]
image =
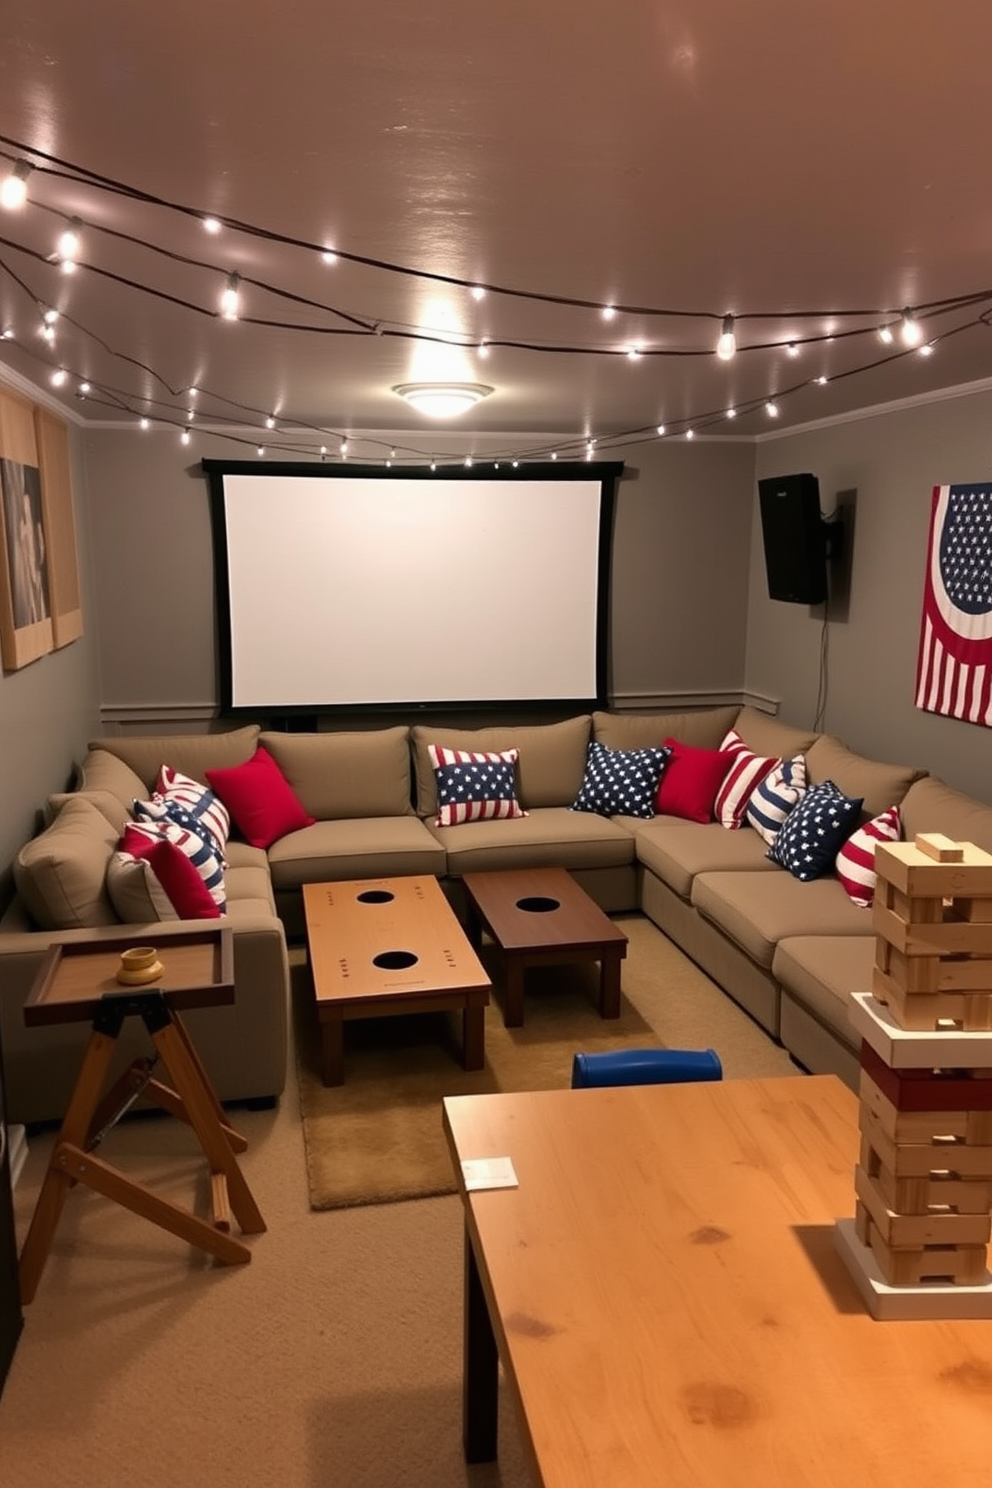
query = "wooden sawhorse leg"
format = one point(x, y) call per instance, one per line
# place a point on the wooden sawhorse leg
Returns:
point(193, 1099)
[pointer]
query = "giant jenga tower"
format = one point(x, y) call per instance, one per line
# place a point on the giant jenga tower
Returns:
point(918, 1244)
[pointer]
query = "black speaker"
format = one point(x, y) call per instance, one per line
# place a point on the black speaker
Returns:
point(793, 534)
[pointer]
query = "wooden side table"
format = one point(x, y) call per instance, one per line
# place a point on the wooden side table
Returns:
point(77, 982)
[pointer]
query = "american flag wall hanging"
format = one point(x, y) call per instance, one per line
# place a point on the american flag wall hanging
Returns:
point(954, 669)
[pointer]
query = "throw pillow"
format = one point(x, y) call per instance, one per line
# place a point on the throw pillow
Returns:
point(477, 785)
point(856, 860)
point(262, 803)
point(810, 836)
point(745, 771)
point(482, 792)
point(620, 782)
point(690, 781)
point(176, 794)
point(152, 877)
point(774, 797)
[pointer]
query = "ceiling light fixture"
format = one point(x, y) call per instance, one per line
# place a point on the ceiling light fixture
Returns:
point(440, 400)
point(14, 188)
point(726, 346)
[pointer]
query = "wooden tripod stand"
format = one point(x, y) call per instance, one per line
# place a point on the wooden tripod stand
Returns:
point(88, 1118)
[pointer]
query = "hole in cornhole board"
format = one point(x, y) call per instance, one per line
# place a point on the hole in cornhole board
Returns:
point(538, 904)
point(395, 960)
point(375, 896)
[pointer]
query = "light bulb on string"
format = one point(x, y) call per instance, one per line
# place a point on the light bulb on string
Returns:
point(211, 225)
point(67, 246)
point(771, 409)
point(14, 187)
point(726, 346)
point(911, 331)
point(609, 312)
point(661, 429)
point(230, 300)
point(885, 335)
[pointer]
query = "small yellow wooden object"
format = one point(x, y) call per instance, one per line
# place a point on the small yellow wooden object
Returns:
point(139, 966)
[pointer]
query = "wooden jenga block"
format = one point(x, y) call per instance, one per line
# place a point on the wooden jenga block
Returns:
point(974, 909)
point(914, 872)
point(974, 1128)
point(970, 1011)
point(919, 1159)
point(928, 1089)
point(961, 1265)
point(942, 849)
point(936, 1226)
point(929, 938)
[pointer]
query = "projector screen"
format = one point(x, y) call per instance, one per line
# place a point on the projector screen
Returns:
point(352, 586)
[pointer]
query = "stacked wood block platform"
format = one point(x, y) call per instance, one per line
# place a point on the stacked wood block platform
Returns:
point(918, 1245)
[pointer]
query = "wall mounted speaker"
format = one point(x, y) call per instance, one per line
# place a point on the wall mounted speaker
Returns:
point(792, 530)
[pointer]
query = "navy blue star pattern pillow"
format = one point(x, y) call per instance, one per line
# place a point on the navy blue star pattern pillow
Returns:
point(815, 830)
point(620, 782)
point(479, 791)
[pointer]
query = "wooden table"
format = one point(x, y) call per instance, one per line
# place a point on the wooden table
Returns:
point(383, 946)
point(541, 917)
point(665, 1293)
point(77, 982)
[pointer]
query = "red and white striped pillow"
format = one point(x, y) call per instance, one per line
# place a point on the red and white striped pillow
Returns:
point(856, 860)
point(476, 810)
point(745, 771)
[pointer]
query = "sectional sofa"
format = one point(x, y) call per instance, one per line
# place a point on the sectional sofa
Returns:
point(789, 952)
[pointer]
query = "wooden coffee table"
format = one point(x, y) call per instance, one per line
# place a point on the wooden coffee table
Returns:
point(664, 1290)
point(541, 917)
point(384, 946)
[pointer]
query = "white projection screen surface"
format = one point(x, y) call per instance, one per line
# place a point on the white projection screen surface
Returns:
point(360, 588)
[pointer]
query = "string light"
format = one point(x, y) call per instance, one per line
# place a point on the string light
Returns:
point(184, 437)
point(270, 422)
point(230, 300)
point(59, 377)
point(726, 346)
point(661, 429)
point(731, 413)
point(260, 451)
point(14, 187)
point(911, 331)
point(211, 225)
point(690, 433)
point(144, 423)
point(329, 256)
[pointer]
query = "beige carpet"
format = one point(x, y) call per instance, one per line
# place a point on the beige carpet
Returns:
point(378, 1137)
point(332, 1361)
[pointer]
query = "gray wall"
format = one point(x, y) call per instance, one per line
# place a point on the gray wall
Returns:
point(680, 588)
point(48, 709)
point(893, 460)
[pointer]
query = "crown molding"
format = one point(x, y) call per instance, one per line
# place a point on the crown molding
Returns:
point(28, 389)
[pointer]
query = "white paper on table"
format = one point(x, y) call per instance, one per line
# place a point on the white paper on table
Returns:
point(488, 1172)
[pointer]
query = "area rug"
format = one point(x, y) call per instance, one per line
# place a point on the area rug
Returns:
point(378, 1138)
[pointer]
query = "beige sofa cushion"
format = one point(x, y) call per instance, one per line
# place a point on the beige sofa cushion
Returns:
point(548, 836)
point(703, 728)
point(103, 771)
point(191, 754)
point(676, 850)
point(880, 785)
point(820, 972)
point(61, 874)
point(368, 847)
point(766, 735)
point(340, 775)
point(105, 801)
point(931, 806)
point(549, 771)
point(757, 910)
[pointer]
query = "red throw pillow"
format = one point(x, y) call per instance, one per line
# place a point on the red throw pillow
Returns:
point(261, 800)
point(172, 871)
point(690, 781)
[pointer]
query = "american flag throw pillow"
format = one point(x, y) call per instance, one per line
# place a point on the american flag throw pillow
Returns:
point(474, 785)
